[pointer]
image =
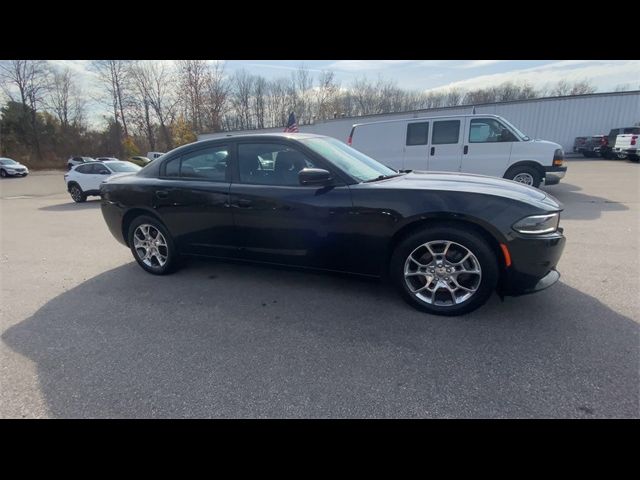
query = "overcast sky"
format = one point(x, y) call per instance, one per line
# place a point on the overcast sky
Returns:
point(426, 75)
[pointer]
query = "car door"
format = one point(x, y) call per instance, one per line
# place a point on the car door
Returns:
point(416, 148)
point(99, 174)
point(280, 221)
point(445, 149)
point(487, 148)
point(192, 198)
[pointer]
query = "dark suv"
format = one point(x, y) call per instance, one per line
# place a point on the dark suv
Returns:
point(592, 147)
point(606, 150)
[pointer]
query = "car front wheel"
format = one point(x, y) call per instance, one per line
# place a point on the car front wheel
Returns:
point(152, 246)
point(445, 270)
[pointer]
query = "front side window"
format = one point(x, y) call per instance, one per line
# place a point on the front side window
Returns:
point(100, 169)
point(489, 130)
point(271, 164)
point(445, 132)
point(83, 168)
point(206, 164)
point(418, 133)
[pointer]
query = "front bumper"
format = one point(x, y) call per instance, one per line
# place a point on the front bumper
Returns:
point(533, 263)
point(17, 173)
point(553, 175)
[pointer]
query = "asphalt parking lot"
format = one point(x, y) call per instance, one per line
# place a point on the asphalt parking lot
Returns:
point(84, 332)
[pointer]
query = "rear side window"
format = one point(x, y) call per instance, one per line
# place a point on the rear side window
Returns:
point(83, 168)
point(446, 131)
point(207, 164)
point(632, 130)
point(418, 133)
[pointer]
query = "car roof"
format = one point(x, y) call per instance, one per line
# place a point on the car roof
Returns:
point(275, 135)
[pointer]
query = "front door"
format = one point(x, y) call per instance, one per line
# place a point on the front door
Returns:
point(487, 148)
point(445, 150)
point(280, 221)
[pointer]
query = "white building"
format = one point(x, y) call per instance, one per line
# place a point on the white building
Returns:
point(559, 119)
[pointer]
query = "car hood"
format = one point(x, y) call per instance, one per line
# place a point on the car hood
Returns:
point(470, 183)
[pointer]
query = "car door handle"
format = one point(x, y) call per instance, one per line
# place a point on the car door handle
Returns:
point(244, 203)
point(466, 149)
point(162, 194)
point(433, 150)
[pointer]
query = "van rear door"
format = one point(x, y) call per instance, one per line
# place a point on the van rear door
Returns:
point(381, 141)
point(445, 149)
point(416, 145)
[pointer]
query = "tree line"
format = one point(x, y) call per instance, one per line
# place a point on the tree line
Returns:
point(153, 106)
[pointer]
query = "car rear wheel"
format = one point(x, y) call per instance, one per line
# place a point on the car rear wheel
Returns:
point(77, 194)
point(445, 270)
point(527, 175)
point(152, 246)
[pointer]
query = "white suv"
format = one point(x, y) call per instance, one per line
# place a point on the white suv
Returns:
point(84, 180)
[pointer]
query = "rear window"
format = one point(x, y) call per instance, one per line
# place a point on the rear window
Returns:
point(418, 133)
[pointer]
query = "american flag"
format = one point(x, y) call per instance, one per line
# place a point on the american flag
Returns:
point(292, 126)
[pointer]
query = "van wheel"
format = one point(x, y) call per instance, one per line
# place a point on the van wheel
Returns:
point(444, 270)
point(527, 175)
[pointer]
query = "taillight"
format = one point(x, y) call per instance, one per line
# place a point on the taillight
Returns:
point(603, 141)
point(633, 139)
point(349, 140)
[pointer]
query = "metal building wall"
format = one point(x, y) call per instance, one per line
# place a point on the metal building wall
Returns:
point(557, 119)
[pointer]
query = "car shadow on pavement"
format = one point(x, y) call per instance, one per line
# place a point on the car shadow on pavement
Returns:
point(227, 340)
point(580, 206)
point(72, 206)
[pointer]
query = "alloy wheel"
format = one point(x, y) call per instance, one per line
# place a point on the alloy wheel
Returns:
point(150, 245)
point(442, 273)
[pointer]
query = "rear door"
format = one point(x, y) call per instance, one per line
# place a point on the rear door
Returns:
point(487, 149)
point(416, 145)
point(445, 149)
point(192, 198)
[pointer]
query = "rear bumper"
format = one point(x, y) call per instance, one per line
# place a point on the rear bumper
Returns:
point(533, 264)
point(113, 216)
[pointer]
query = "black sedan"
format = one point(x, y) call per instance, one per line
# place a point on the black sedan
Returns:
point(447, 241)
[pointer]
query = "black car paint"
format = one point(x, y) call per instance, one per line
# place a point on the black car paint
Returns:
point(344, 226)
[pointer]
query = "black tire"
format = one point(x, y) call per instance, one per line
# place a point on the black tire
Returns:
point(171, 251)
point(467, 239)
point(77, 194)
point(3, 174)
point(536, 177)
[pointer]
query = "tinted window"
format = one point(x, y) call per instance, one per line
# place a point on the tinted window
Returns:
point(447, 131)
point(418, 133)
point(207, 164)
point(83, 168)
point(123, 167)
point(271, 164)
point(100, 169)
point(489, 130)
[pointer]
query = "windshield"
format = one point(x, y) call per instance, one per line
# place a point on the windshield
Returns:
point(7, 161)
point(123, 167)
point(350, 160)
point(521, 135)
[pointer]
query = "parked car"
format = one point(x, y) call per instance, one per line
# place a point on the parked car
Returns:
point(153, 155)
point(140, 161)
point(593, 145)
point(607, 150)
point(73, 161)
point(107, 159)
point(84, 180)
point(447, 240)
point(627, 144)
point(578, 143)
point(483, 144)
point(11, 168)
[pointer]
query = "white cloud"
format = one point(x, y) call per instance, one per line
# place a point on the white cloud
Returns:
point(360, 65)
point(603, 74)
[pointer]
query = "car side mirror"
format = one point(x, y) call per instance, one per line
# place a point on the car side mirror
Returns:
point(314, 176)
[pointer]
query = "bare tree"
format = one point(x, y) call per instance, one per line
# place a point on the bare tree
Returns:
point(216, 97)
point(241, 90)
point(192, 79)
point(582, 87)
point(155, 80)
point(113, 75)
point(65, 99)
point(259, 101)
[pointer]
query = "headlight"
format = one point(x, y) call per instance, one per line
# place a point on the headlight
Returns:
point(537, 224)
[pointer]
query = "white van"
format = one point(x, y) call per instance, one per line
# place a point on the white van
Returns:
point(481, 144)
